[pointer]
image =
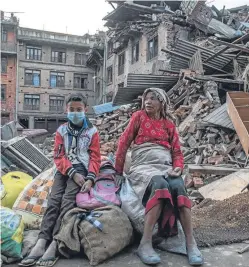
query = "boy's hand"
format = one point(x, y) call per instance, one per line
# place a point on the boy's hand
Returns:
point(86, 186)
point(79, 179)
point(175, 172)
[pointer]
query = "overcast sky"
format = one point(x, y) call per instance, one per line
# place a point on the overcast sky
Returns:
point(73, 16)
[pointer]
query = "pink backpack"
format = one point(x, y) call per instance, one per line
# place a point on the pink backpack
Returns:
point(104, 193)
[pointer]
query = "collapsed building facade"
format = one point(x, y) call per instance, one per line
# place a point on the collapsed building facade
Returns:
point(147, 37)
point(196, 53)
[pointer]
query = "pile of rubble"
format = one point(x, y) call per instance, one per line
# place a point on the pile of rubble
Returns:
point(111, 125)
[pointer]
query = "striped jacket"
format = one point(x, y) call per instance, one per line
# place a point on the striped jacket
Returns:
point(88, 150)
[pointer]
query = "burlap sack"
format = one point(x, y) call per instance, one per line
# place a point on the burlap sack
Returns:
point(117, 234)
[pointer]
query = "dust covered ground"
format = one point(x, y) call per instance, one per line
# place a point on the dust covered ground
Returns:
point(222, 222)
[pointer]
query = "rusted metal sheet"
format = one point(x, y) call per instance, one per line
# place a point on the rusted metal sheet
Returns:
point(238, 111)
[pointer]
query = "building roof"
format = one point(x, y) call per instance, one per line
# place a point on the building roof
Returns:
point(104, 108)
point(137, 83)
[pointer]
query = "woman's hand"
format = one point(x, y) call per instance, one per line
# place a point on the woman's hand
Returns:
point(175, 172)
point(86, 186)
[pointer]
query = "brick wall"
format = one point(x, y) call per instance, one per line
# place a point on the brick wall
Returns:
point(9, 78)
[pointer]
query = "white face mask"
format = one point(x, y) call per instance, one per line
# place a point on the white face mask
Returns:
point(76, 117)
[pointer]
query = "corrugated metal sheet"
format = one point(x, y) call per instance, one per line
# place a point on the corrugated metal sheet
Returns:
point(137, 83)
point(189, 49)
point(220, 117)
point(149, 80)
point(104, 108)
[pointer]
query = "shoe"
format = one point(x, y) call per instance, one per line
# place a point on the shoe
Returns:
point(152, 259)
point(195, 257)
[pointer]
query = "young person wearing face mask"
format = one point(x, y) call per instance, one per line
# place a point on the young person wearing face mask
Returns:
point(77, 158)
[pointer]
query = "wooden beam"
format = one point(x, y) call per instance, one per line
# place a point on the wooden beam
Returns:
point(215, 79)
point(207, 169)
point(225, 48)
point(231, 45)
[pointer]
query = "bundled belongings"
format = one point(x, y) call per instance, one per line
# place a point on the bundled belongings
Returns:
point(12, 228)
point(104, 191)
point(101, 233)
point(32, 202)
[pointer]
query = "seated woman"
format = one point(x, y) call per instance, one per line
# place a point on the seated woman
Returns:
point(155, 174)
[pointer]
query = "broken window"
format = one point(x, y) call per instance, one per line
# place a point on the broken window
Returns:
point(110, 48)
point(4, 35)
point(109, 75)
point(58, 56)
point(57, 79)
point(153, 48)
point(33, 52)
point(56, 103)
point(3, 92)
point(80, 58)
point(4, 63)
point(31, 102)
point(80, 81)
point(121, 63)
point(135, 53)
point(32, 77)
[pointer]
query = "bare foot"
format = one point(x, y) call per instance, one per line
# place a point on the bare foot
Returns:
point(37, 251)
point(48, 255)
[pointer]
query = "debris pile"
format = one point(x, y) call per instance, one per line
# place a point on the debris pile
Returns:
point(111, 125)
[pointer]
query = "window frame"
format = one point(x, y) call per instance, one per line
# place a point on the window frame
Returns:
point(135, 50)
point(82, 59)
point(77, 85)
point(110, 46)
point(53, 58)
point(37, 57)
point(30, 98)
point(32, 72)
point(4, 34)
point(6, 65)
point(121, 66)
point(109, 77)
point(57, 81)
point(154, 53)
point(57, 99)
point(3, 86)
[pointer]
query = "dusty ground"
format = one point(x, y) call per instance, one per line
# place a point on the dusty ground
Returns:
point(222, 222)
point(220, 256)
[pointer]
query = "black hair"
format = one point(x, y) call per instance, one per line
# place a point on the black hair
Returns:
point(78, 97)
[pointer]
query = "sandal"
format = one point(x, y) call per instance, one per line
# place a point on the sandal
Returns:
point(53, 259)
point(35, 258)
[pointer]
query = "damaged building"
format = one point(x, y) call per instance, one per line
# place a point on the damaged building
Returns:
point(9, 24)
point(148, 43)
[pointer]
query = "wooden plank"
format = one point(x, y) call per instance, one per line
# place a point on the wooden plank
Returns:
point(207, 169)
point(238, 115)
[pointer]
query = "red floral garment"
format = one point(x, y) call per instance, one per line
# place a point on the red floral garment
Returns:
point(142, 129)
